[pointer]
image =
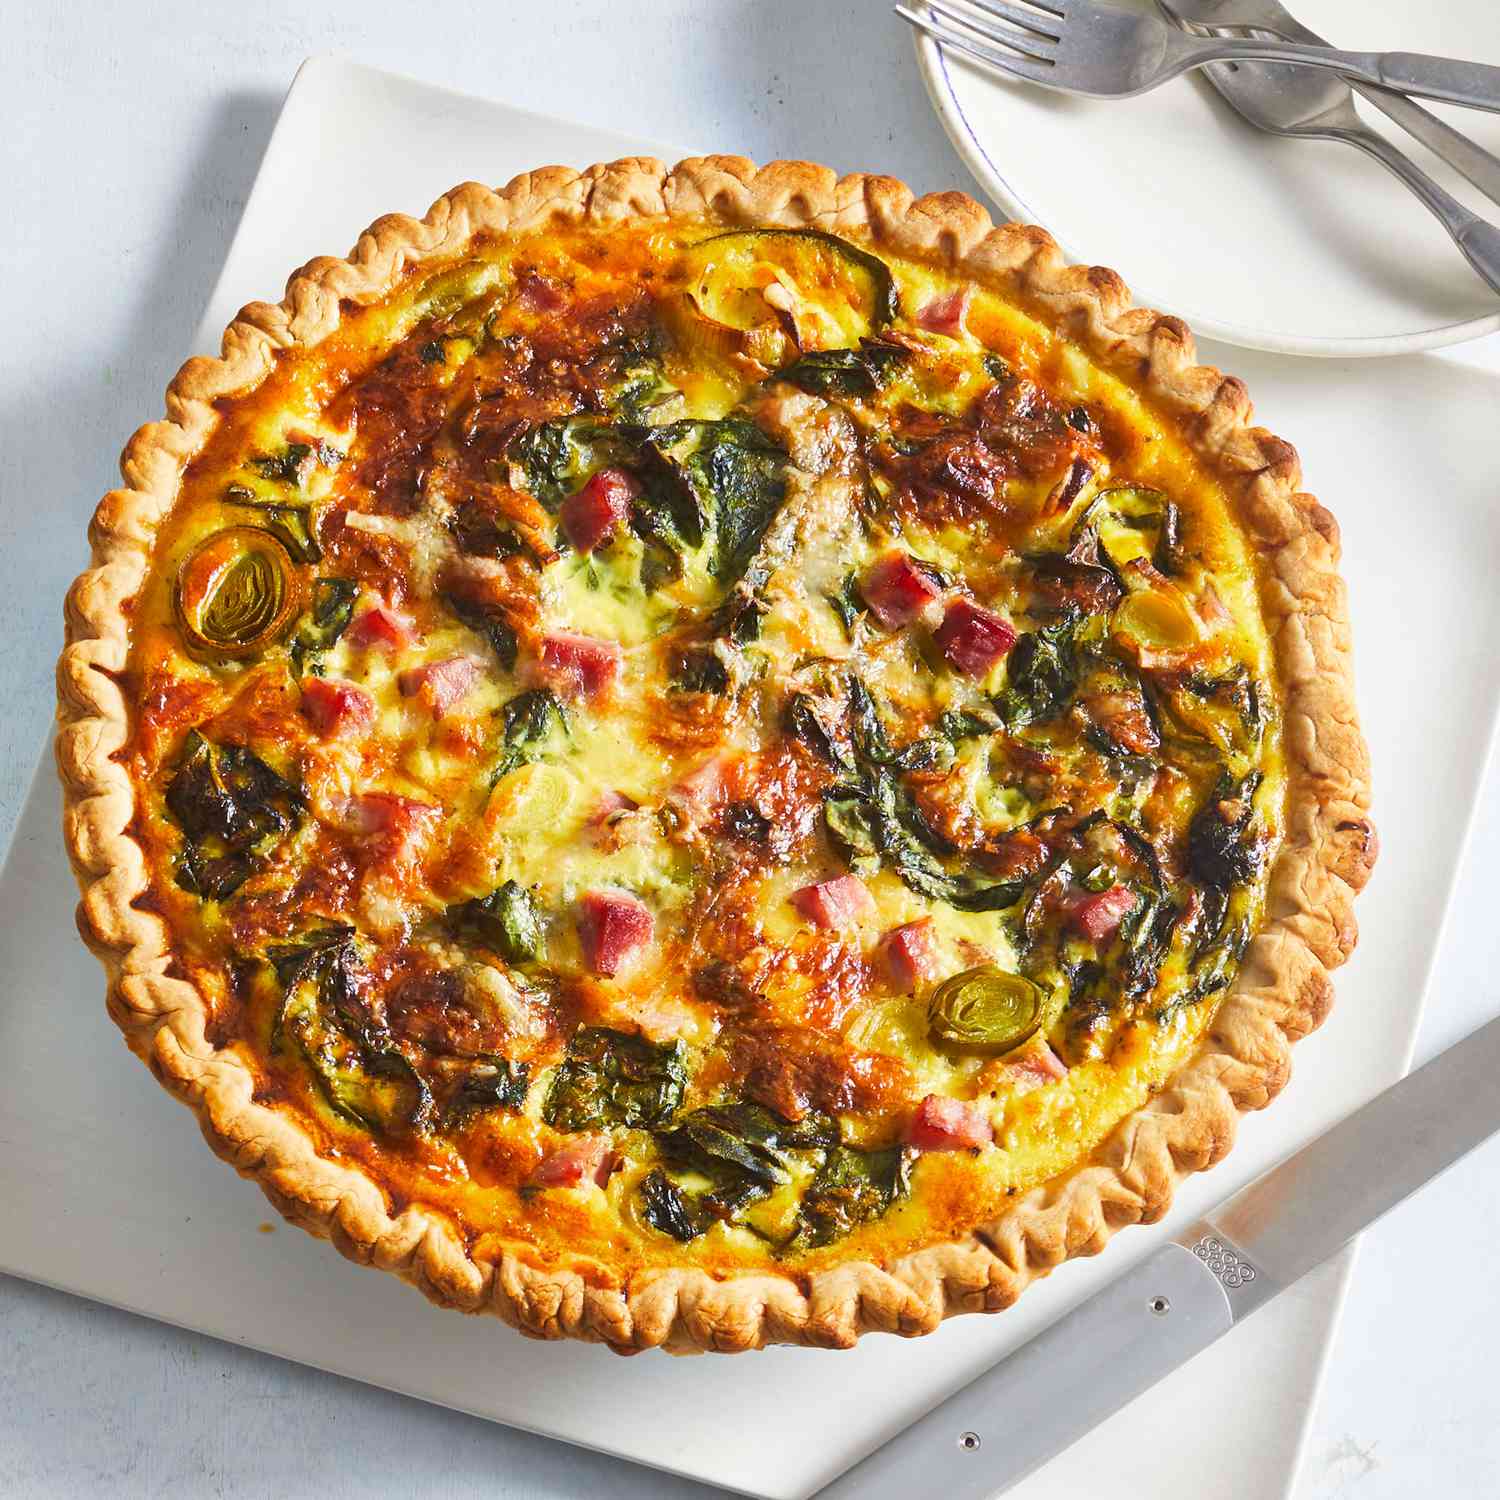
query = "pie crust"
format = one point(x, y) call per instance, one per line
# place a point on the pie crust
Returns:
point(1243, 1059)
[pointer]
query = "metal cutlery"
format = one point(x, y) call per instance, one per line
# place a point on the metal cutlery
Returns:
point(1313, 104)
point(988, 1436)
point(1082, 47)
point(1466, 157)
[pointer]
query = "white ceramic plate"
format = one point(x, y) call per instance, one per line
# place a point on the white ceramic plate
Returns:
point(1302, 247)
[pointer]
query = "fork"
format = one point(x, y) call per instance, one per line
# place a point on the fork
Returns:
point(1466, 157)
point(1081, 47)
point(1312, 104)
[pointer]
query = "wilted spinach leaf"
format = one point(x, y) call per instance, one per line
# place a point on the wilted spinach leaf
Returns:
point(290, 523)
point(491, 1083)
point(873, 818)
point(808, 721)
point(737, 477)
point(1042, 675)
point(669, 1210)
point(532, 720)
point(742, 1149)
point(701, 670)
point(231, 806)
point(556, 456)
point(360, 1071)
point(488, 622)
point(852, 1188)
point(846, 372)
point(615, 1078)
point(744, 1140)
point(848, 604)
point(959, 724)
point(327, 619)
point(1223, 850)
point(506, 920)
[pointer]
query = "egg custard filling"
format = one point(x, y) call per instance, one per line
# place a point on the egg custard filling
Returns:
point(697, 746)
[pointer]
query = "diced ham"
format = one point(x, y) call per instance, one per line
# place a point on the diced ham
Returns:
point(835, 903)
point(394, 825)
point(613, 926)
point(380, 626)
point(1211, 608)
point(897, 589)
point(703, 791)
point(973, 638)
point(610, 803)
point(388, 812)
point(539, 293)
point(1098, 915)
point(1032, 1068)
point(587, 1159)
point(945, 313)
point(440, 684)
point(335, 709)
point(597, 510)
point(578, 666)
point(910, 954)
point(944, 1124)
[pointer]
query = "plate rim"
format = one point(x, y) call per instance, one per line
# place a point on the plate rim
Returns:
point(932, 65)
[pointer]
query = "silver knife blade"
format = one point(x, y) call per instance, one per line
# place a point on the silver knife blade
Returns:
point(1144, 1324)
point(1295, 1216)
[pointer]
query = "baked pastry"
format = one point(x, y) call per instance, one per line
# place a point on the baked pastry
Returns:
point(712, 756)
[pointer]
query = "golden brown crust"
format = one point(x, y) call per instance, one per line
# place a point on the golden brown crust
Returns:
point(1282, 991)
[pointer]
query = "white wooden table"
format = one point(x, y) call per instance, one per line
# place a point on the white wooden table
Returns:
point(131, 135)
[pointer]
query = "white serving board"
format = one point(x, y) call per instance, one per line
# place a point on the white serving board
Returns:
point(111, 1194)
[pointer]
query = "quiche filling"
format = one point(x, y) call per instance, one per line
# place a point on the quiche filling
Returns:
point(694, 747)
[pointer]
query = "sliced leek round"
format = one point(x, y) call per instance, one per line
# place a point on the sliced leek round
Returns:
point(822, 290)
point(984, 1010)
point(765, 344)
point(531, 799)
point(1158, 619)
point(237, 592)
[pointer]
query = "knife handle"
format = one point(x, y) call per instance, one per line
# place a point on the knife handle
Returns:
point(999, 1428)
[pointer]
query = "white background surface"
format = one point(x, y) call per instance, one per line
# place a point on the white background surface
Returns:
point(131, 139)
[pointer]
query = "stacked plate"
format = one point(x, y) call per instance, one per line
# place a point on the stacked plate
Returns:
point(1303, 247)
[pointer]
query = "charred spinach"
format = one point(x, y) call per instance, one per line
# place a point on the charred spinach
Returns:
point(1223, 848)
point(232, 807)
point(615, 1078)
point(359, 1070)
point(846, 372)
point(491, 1083)
point(852, 1188)
point(670, 1210)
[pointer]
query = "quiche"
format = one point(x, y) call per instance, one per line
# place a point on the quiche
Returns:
point(705, 757)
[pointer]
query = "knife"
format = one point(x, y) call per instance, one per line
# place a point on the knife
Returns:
point(1031, 1405)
